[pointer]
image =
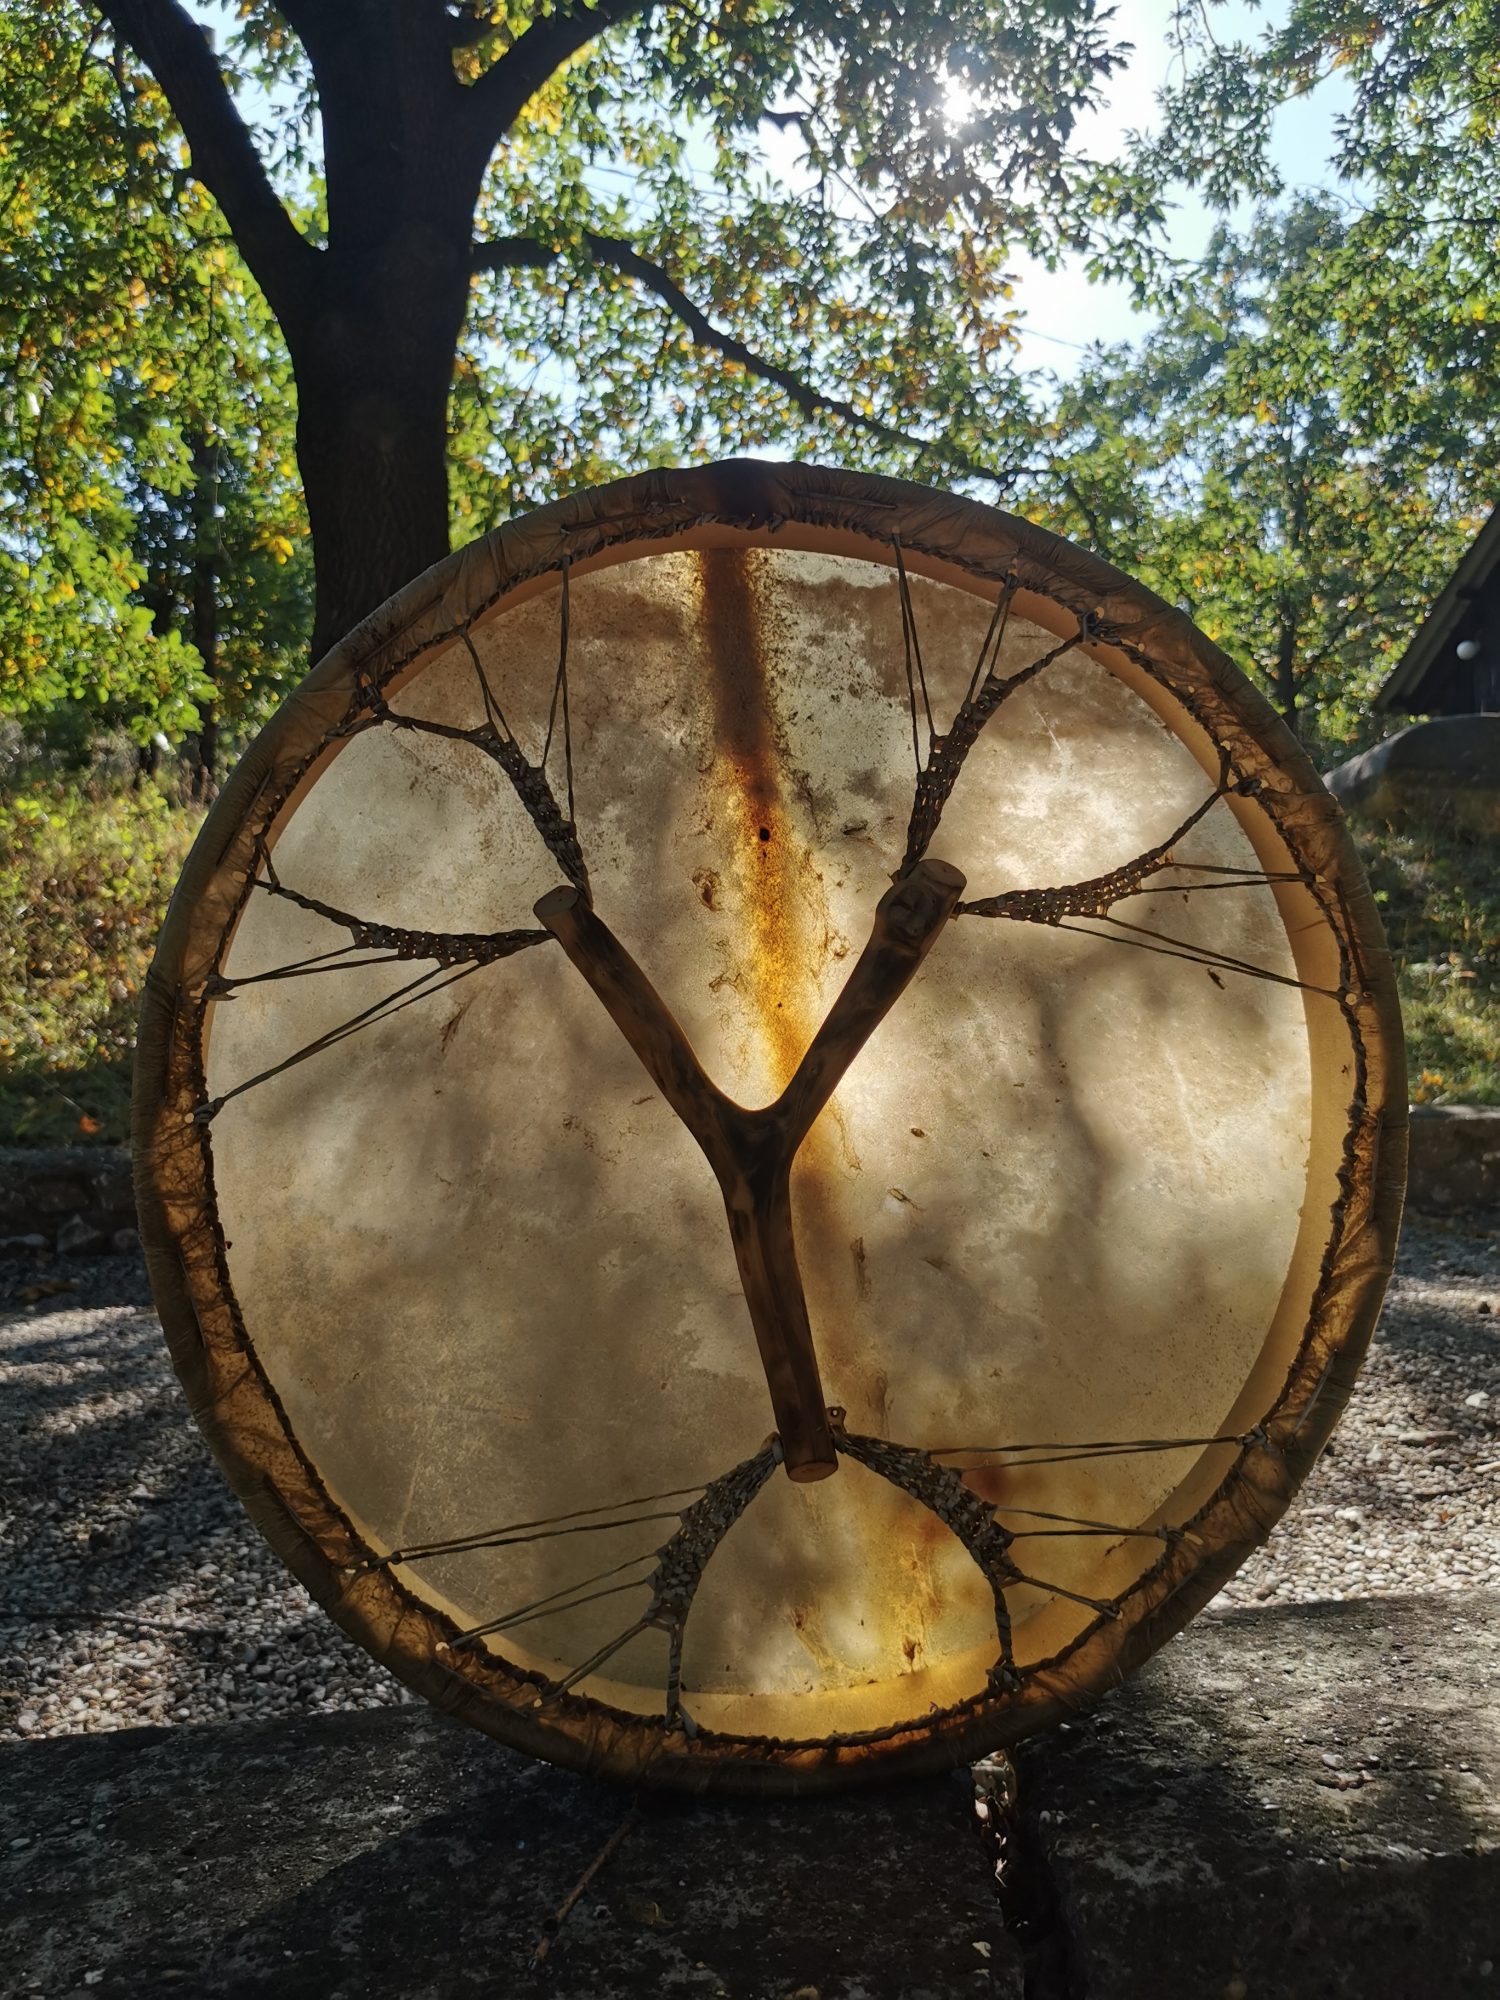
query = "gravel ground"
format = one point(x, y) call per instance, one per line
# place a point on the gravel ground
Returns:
point(133, 1590)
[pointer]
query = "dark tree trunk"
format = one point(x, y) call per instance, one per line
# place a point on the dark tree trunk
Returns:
point(205, 780)
point(371, 320)
point(373, 376)
point(373, 337)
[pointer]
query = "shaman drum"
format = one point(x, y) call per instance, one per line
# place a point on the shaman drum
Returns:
point(770, 1124)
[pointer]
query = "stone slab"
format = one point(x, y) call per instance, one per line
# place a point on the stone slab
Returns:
point(1446, 771)
point(46, 1190)
point(1455, 1157)
point(393, 1852)
point(1287, 1804)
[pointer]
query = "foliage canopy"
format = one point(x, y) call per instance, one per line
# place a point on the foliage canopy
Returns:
point(145, 425)
point(497, 248)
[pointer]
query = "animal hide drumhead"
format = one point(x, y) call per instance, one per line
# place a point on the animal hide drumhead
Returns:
point(507, 1302)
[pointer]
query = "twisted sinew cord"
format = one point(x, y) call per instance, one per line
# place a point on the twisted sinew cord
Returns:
point(1094, 899)
point(420, 988)
point(1095, 896)
point(679, 1563)
point(398, 942)
point(520, 1531)
point(987, 693)
point(455, 953)
point(496, 739)
point(458, 953)
point(617, 1513)
point(673, 1583)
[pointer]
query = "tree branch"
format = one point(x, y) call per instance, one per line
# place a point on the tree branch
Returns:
point(1091, 519)
point(166, 38)
point(509, 84)
point(514, 253)
point(508, 253)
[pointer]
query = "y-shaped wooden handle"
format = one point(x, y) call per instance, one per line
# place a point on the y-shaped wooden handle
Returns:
point(751, 1152)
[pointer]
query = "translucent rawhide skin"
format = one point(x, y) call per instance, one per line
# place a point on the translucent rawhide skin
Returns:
point(1092, 1229)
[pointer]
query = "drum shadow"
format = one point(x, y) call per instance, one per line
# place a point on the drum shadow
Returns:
point(352, 1855)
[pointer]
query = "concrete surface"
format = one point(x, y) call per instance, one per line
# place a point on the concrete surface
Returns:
point(1289, 1804)
point(394, 1853)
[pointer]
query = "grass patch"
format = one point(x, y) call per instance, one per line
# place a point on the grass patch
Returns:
point(87, 867)
point(85, 874)
point(1439, 897)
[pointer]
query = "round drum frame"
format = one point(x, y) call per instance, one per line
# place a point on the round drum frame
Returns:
point(1295, 827)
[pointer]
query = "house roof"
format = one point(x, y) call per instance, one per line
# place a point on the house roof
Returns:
point(1416, 683)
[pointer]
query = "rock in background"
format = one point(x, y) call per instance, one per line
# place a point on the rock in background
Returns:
point(1446, 771)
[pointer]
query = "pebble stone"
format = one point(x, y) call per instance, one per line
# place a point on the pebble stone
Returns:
point(134, 1591)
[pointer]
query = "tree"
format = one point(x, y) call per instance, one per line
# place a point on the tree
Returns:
point(1279, 461)
point(1421, 121)
point(1417, 150)
point(872, 305)
point(149, 508)
point(1390, 316)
